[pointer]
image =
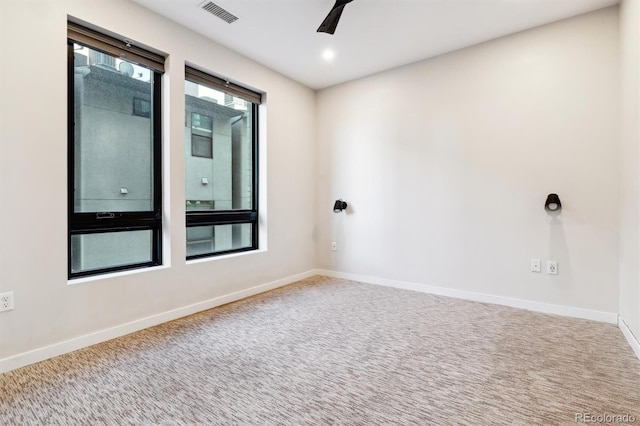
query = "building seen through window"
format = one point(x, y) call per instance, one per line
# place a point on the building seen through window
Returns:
point(220, 159)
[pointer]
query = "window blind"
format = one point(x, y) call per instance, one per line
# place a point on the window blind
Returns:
point(114, 46)
point(218, 83)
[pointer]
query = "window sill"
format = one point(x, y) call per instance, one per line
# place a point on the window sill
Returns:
point(111, 275)
point(225, 256)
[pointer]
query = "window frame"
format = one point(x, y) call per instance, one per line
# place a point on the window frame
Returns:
point(86, 223)
point(230, 217)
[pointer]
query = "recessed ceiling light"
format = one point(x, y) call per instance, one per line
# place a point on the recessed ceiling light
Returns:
point(328, 55)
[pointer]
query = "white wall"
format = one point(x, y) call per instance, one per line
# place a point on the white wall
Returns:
point(33, 184)
point(630, 191)
point(446, 165)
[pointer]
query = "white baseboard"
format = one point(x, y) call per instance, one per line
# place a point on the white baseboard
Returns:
point(633, 341)
point(547, 308)
point(41, 354)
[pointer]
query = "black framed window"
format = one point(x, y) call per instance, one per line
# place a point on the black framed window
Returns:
point(114, 156)
point(221, 166)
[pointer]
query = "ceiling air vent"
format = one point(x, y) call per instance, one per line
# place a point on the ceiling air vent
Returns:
point(221, 13)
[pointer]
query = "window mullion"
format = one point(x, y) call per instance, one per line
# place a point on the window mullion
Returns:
point(80, 226)
point(221, 218)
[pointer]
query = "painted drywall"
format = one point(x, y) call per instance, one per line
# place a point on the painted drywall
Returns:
point(446, 165)
point(629, 165)
point(33, 181)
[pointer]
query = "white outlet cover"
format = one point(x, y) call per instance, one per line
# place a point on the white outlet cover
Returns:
point(6, 301)
point(535, 265)
point(552, 267)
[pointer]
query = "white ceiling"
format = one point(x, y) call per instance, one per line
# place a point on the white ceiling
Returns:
point(372, 36)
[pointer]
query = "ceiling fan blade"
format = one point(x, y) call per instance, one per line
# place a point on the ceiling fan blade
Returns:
point(331, 21)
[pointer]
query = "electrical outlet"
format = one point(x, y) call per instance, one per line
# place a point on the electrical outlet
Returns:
point(552, 267)
point(334, 246)
point(6, 301)
point(535, 265)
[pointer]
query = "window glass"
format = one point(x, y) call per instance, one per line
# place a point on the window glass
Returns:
point(219, 150)
point(218, 238)
point(110, 249)
point(113, 144)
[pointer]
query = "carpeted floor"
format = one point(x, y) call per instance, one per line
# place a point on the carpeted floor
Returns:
point(333, 352)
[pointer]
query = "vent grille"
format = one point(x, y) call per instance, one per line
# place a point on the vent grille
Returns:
point(221, 13)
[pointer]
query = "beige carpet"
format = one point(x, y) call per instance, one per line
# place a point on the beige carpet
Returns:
point(335, 352)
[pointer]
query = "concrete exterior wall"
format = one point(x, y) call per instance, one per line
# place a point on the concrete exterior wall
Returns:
point(114, 147)
point(242, 164)
point(218, 169)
